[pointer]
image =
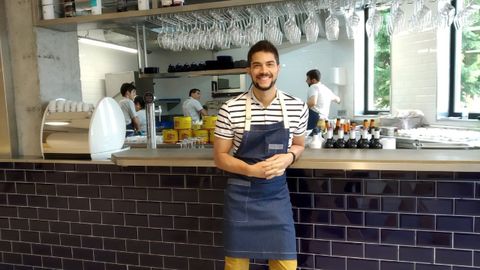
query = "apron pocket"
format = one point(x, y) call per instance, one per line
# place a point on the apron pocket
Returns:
point(236, 200)
point(274, 147)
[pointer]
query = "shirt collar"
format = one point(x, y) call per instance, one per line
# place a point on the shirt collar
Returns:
point(257, 103)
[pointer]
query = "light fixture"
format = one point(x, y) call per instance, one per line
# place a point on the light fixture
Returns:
point(106, 45)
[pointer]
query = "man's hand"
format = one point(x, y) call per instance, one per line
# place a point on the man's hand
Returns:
point(273, 166)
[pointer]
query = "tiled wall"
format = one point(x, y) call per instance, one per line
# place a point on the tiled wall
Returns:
point(87, 216)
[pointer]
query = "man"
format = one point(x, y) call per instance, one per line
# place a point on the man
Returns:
point(265, 127)
point(319, 98)
point(129, 92)
point(141, 114)
point(192, 107)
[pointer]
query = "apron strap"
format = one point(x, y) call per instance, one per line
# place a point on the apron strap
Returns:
point(248, 112)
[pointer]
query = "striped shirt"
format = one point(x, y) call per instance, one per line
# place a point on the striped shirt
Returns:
point(231, 116)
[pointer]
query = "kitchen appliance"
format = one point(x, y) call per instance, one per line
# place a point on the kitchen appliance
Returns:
point(437, 138)
point(113, 82)
point(82, 131)
point(228, 85)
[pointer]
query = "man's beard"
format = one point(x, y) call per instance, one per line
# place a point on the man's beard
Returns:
point(264, 88)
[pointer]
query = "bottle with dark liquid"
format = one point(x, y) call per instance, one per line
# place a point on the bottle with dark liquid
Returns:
point(340, 142)
point(329, 143)
point(363, 142)
point(69, 8)
point(352, 142)
point(375, 141)
point(371, 128)
point(337, 126)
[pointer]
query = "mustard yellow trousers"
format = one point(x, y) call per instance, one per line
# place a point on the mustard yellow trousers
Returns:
point(243, 264)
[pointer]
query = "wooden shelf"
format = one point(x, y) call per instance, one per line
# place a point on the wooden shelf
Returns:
point(192, 74)
point(132, 18)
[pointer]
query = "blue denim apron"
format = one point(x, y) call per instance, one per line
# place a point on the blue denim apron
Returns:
point(258, 213)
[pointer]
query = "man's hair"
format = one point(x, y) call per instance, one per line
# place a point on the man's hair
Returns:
point(127, 87)
point(139, 100)
point(194, 90)
point(314, 74)
point(263, 46)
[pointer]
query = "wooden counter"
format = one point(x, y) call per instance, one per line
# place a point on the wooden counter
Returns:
point(401, 159)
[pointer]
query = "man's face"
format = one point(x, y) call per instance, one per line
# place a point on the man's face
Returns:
point(196, 95)
point(132, 94)
point(264, 70)
point(309, 82)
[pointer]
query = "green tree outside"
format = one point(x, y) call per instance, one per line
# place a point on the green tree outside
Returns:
point(382, 68)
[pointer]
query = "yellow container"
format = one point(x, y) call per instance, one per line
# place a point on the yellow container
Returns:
point(202, 134)
point(184, 134)
point(182, 122)
point(211, 136)
point(209, 121)
point(170, 136)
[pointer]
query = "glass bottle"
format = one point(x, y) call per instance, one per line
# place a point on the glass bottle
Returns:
point(340, 142)
point(329, 143)
point(371, 128)
point(375, 141)
point(363, 142)
point(352, 141)
point(69, 8)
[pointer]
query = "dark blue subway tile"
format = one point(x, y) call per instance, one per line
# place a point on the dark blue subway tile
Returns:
point(90, 217)
point(88, 191)
point(101, 204)
point(329, 201)
point(26, 188)
point(87, 167)
point(35, 176)
point(123, 179)
point(477, 190)
point(172, 181)
point(456, 189)
point(301, 200)
point(195, 263)
point(148, 207)
point(346, 218)
point(306, 261)
point(299, 173)
point(329, 232)
point(218, 182)
point(6, 165)
point(381, 187)
point(159, 169)
point(397, 237)
point(437, 239)
point(199, 210)
point(92, 242)
point(56, 177)
point(455, 223)
point(35, 201)
point(210, 196)
point(435, 175)
point(159, 194)
point(186, 250)
point(114, 244)
point(363, 203)
point(51, 262)
point(347, 249)
point(18, 200)
point(82, 229)
point(162, 248)
point(420, 266)
point(108, 168)
point(475, 176)
point(65, 167)
point(125, 232)
point(134, 193)
point(77, 177)
point(202, 181)
point(209, 170)
point(346, 186)
point(184, 170)
point(111, 192)
point(127, 258)
point(134, 220)
point(8, 187)
point(15, 175)
point(174, 263)
point(434, 206)
point(463, 268)
point(84, 254)
point(152, 234)
point(304, 230)
point(363, 174)
point(67, 190)
point(79, 203)
point(412, 175)
point(124, 206)
point(211, 224)
point(398, 204)
point(57, 202)
point(330, 263)
point(147, 180)
point(174, 209)
point(315, 246)
point(467, 241)
point(329, 173)
point(136, 169)
point(381, 219)
point(23, 165)
point(99, 178)
point(376, 251)
point(358, 234)
point(361, 264)
point(452, 256)
point(186, 223)
point(416, 254)
point(467, 207)
point(314, 216)
point(476, 258)
point(113, 218)
point(426, 222)
point(200, 238)
point(387, 265)
point(477, 224)
point(313, 185)
point(417, 188)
